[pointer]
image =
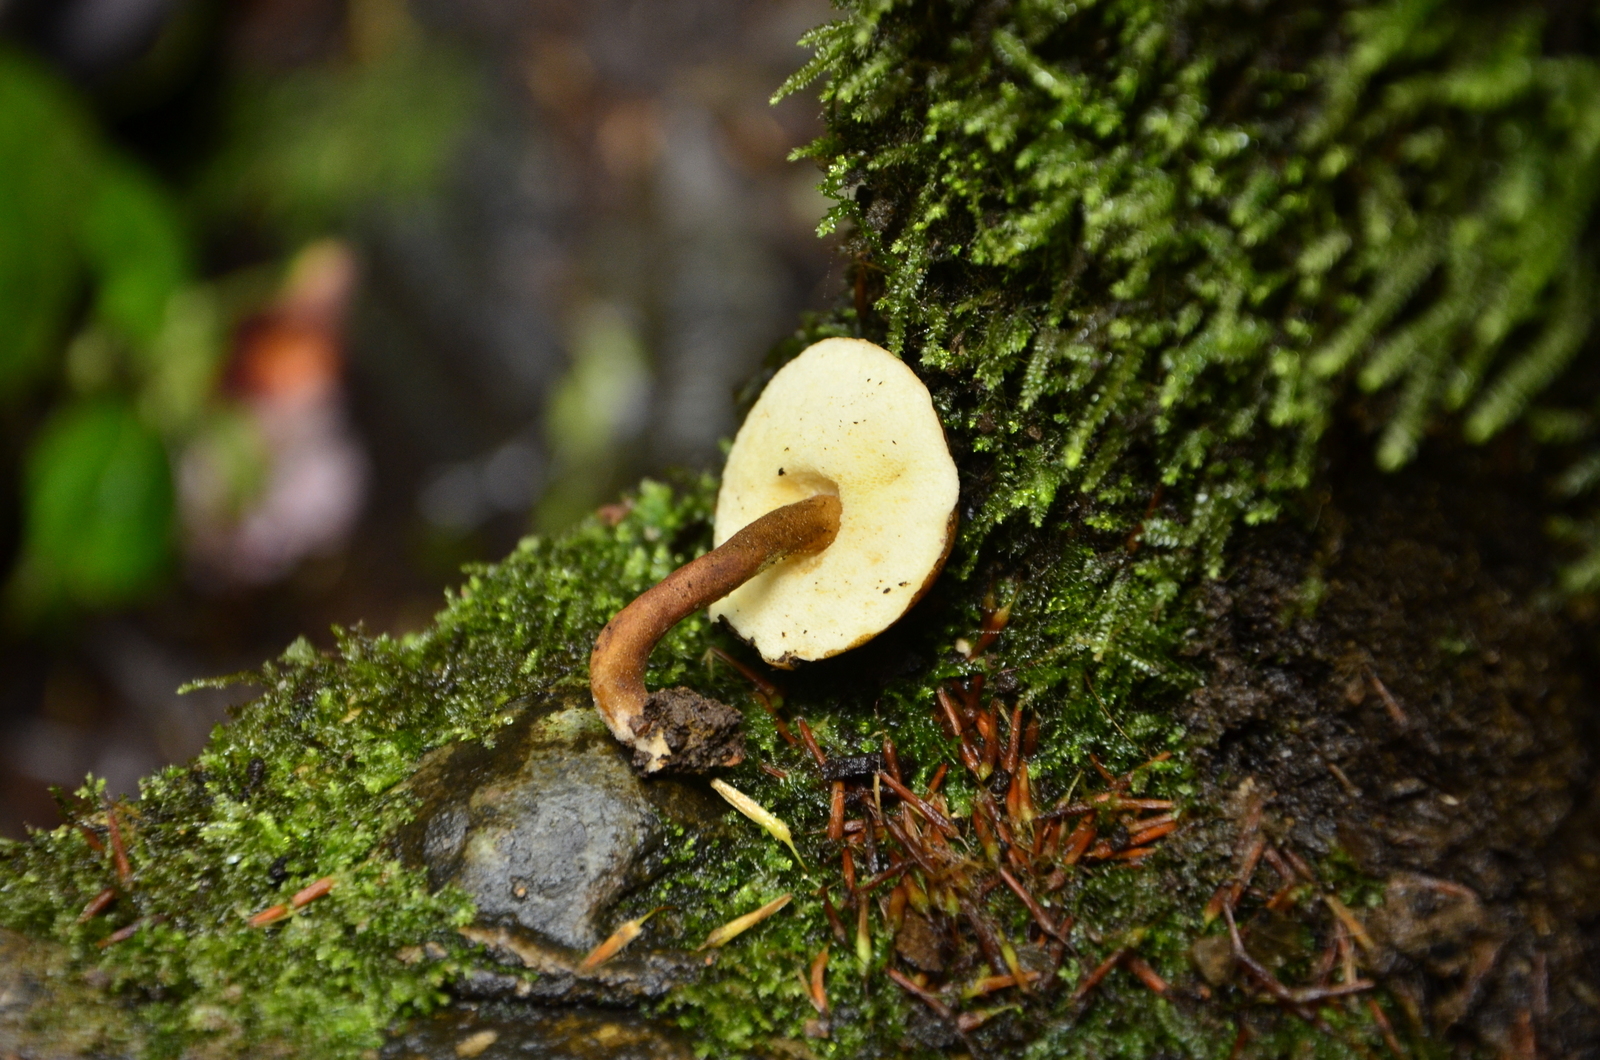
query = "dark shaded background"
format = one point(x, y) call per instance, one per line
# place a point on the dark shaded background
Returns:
point(614, 240)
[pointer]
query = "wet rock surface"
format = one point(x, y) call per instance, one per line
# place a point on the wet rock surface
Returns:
point(501, 1033)
point(50, 1012)
point(639, 974)
point(546, 828)
point(1393, 678)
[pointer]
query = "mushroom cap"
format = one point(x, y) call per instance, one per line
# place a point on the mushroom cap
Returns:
point(845, 417)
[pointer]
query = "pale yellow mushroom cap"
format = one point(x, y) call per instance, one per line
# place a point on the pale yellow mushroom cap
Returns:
point(845, 417)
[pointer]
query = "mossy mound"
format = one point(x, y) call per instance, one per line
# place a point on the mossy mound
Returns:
point(1152, 245)
point(302, 786)
point(1143, 254)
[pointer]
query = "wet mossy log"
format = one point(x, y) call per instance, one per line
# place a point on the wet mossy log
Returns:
point(1182, 278)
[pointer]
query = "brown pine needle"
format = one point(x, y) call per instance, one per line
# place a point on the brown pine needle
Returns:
point(98, 904)
point(740, 924)
point(819, 986)
point(835, 922)
point(810, 741)
point(123, 934)
point(883, 877)
point(986, 838)
point(891, 759)
point(1385, 1028)
point(1219, 898)
point(1107, 800)
point(767, 693)
point(268, 915)
point(119, 850)
point(1041, 915)
point(1100, 972)
point(1013, 755)
point(916, 802)
point(1078, 842)
point(1147, 975)
point(311, 892)
point(898, 899)
point(1152, 833)
point(619, 938)
point(120, 935)
point(760, 815)
point(1396, 713)
point(952, 716)
point(989, 729)
point(921, 993)
point(1132, 854)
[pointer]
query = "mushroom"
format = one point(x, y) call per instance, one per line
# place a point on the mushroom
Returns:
point(836, 513)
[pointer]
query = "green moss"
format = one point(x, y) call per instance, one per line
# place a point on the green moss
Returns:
point(1143, 245)
point(1140, 252)
point(301, 786)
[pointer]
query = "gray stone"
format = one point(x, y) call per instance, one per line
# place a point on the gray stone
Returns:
point(548, 827)
point(568, 1034)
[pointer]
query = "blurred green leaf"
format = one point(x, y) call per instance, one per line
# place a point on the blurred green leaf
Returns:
point(47, 159)
point(98, 509)
point(183, 360)
point(136, 246)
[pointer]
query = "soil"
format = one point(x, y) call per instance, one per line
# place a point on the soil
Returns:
point(1396, 673)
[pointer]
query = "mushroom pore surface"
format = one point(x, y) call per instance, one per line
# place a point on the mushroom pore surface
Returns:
point(845, 418)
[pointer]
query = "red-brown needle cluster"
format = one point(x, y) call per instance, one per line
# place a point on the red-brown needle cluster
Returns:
point(946, 885)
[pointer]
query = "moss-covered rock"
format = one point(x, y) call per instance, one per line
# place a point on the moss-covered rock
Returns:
point(1144, 255)
point(50, 1010)
point(544, 826)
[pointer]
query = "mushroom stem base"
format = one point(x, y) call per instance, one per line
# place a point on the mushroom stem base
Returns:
point(700, 733)
point(679, 730)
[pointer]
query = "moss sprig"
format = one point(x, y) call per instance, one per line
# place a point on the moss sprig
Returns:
point(1178, 236)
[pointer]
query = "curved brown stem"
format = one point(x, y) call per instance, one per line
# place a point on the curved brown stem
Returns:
point(678, 729)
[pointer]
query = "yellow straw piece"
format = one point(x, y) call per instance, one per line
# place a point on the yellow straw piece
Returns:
point(1354, 926)
point(740, 924)
point(619, 938)
point(760, 815)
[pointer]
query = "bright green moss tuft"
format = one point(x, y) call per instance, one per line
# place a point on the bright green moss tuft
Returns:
point(1153, 245)
point(1141, 252)
point(301, 786)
